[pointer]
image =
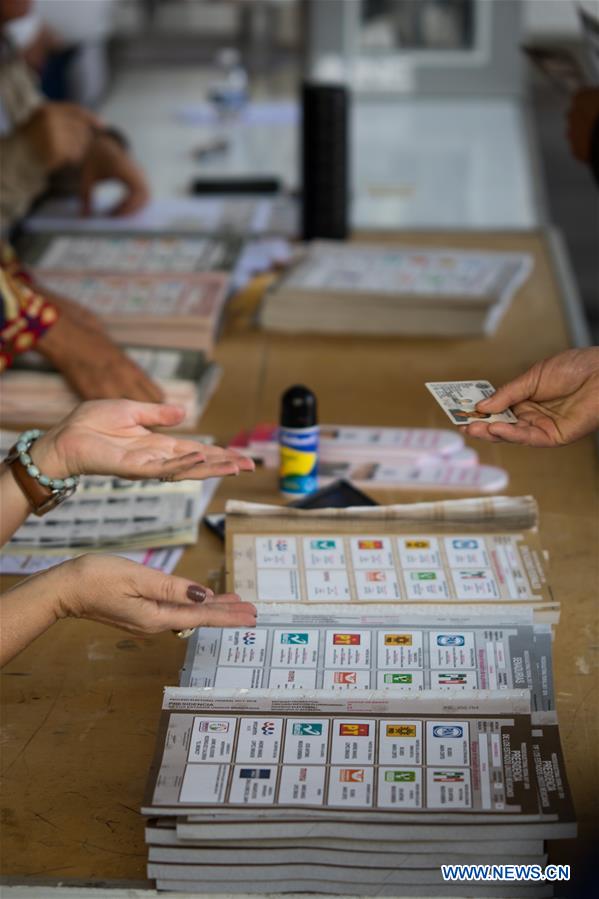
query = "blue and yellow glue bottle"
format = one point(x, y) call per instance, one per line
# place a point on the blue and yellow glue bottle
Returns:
point(298, 442)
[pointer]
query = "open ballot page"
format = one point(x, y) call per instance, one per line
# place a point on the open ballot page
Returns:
point(373, 567)
point(373, 757)
point(421, 649)
point(394, 554)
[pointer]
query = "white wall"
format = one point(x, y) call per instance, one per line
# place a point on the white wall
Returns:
point(553, 17)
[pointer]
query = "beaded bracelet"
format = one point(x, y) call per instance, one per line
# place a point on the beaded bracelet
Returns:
point(60, 487)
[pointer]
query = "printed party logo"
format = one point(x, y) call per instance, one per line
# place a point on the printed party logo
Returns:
point(370, 544)
point(346, 639)
point(423, 575)
point(345, 677)
point(400, 730)
point(214, 727)
point(448, 777)
point(452, 679)
point(307, 729)
point(376, 577)
point(255, 773)
point(396, 677)
point(249, 638)
point(354, 730)
point(451, 640)
point(323, 544)
point(352, 775)
point(464, 544)
point(268, 728)
point(281, 545)
point(296, 639)
point(418, 544)
point(400, 777)
point(398, 639)
point(451, 731)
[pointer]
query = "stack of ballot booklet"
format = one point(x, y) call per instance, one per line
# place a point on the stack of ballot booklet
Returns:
point(392, 711)
point(32, 393)
point(167, 290)
point(351, 288)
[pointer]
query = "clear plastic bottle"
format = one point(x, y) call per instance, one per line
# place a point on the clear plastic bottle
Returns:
point(229, 92)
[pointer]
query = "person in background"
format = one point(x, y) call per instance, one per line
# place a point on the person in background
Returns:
point(41, 139)
point(556, 402)
point(70, 338)
point(108, 438)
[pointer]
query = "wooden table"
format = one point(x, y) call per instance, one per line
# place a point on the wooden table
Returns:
point(81, 705)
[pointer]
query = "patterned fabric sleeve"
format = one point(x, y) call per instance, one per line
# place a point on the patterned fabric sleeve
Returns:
point(25, 315)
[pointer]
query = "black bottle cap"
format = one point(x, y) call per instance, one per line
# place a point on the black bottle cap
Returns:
point(298, 408)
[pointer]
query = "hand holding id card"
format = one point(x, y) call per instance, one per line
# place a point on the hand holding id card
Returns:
point(458, 399)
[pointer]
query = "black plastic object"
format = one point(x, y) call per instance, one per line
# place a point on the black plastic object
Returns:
point(325, 161)
point(236, 185)
point(298, 408)
point(338, 495)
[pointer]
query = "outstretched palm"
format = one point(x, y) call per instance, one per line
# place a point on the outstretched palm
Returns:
point(114, 437)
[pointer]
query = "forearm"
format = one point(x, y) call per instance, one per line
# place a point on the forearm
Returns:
point(15, 507)
point(29, 609)
point(13, 503)
point(22, 179)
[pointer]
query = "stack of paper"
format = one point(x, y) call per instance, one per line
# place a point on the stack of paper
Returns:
point(164, 291)
point(371, 772)
point(106, 514)
point(379, 458)
point(30, 394)
point(368, 289)
point(392, 711)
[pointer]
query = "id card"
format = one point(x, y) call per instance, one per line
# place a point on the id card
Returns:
point(459, 398)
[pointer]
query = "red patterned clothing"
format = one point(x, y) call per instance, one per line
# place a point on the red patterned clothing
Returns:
point(25, 315)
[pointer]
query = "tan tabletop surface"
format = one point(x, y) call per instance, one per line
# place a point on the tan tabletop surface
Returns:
point(80, 707)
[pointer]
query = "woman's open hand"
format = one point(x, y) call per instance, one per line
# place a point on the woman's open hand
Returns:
point(141, 600)
point(113, 437)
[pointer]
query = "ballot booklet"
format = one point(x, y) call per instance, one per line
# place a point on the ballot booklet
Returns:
point(32, 393)
point(369, 766)
point(128, 253)
point(419, 648)
point(366, 730)
point(454, 551)
point(163, 290)
point(110, 514)
point(378, 289)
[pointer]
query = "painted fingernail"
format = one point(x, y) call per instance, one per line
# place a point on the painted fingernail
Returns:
point(196, 593)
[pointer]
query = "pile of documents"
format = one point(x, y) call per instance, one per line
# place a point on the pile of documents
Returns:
point(373, 289)
point(163, 291)
point(148, 521)
point(380, 458)
point(376, 742)
point(31, 393)
point(161, 296)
